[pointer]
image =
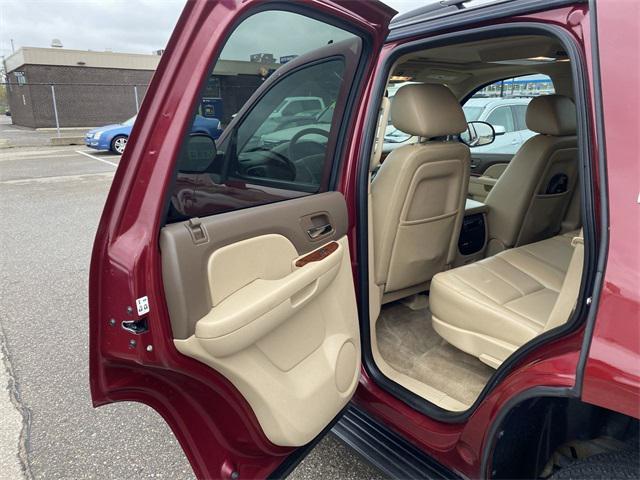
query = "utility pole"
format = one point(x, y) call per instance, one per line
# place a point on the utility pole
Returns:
point(13, 49)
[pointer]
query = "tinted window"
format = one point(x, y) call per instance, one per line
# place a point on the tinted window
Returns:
point(282, 143)
point(286, 152)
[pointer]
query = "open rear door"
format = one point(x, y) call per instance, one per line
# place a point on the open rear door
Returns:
point(221, 289)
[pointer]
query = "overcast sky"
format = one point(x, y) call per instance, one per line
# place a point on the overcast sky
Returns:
point(136, 26)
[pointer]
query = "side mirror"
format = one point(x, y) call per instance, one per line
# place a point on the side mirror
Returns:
point(478, 134)
point(499, 129)
point(198, 154)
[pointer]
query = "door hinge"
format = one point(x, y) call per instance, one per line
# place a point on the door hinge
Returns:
point(197, 231)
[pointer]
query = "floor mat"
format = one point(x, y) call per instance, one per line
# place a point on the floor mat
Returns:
point(409, 344)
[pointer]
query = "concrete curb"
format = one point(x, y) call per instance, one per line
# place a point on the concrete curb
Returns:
point(58, 141)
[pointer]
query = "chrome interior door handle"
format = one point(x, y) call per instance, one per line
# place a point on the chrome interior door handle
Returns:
point(316, 232)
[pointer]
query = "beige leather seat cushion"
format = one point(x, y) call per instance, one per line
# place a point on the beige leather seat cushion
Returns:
point(492, 307)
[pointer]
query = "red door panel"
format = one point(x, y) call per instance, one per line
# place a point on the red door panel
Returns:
point(214, 424)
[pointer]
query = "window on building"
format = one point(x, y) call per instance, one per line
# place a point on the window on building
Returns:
point(21, 78)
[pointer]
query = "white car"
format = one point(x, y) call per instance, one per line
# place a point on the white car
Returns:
point(507, 116)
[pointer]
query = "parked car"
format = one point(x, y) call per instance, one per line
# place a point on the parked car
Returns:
point(114, 137)
point(264, 289)
point(293, 111)
point(507, 116)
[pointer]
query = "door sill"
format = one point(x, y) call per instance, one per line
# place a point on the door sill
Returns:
point(385, 449)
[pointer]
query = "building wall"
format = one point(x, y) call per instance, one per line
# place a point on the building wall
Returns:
point(96, 94)
point(20, 104)
point(85, 96)
point(235, 90)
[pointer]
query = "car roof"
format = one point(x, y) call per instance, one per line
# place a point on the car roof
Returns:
point(438, 8)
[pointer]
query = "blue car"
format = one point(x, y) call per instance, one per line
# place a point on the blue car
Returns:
point(114, 137)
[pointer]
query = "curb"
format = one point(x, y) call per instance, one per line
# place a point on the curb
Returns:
point(58, 141)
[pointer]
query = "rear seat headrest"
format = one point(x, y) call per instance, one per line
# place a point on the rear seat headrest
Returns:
point(427, 110)
point(552, 115)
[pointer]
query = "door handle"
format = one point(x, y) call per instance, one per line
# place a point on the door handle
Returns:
point(316, 232)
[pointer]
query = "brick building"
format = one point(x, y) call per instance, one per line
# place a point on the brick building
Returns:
point(98, 88)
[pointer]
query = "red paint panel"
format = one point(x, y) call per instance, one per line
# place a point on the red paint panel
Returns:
point(612, 375)
point(213, 423)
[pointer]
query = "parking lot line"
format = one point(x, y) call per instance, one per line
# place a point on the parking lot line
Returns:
point(96, 158)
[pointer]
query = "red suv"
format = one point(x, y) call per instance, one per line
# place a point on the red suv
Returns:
point(299, 275)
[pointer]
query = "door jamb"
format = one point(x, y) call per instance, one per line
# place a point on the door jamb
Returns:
point(590, 281)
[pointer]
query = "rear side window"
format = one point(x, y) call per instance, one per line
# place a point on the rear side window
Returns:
point(277, 97)
point(503, 104)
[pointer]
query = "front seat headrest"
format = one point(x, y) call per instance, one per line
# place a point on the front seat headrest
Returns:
point(552, 115)
point(427, 110)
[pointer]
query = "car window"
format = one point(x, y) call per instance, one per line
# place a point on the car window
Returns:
point(276, 149)
point(281, 142)
point(520, 114)
point(472, 113)
point(504, 103)
point(502, 117)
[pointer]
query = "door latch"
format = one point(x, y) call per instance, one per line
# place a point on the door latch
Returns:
point(135, 326)
point(197, 231)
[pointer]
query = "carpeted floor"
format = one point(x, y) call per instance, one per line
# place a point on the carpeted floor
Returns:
point(409, 344)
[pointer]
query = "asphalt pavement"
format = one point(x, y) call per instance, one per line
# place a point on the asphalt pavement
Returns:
point(51, 199)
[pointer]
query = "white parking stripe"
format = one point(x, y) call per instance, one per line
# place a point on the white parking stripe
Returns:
point(96, 158)
point(10, 156)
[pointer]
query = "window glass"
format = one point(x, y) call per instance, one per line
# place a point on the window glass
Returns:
point(281, 145)
point(520, 114)
point(289, 148)
point(504, 104)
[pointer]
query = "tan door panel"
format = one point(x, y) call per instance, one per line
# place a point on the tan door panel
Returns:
point(479, 187)
point(281, 321)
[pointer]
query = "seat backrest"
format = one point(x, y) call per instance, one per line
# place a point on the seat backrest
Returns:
point(568, 295)
point(419, 192)
point(529, 201)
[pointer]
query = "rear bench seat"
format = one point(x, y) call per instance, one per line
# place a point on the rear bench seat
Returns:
point(492, 307)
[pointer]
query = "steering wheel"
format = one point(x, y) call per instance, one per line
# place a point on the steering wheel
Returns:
point(303, 133)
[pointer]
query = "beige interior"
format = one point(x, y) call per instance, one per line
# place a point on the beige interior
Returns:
point(521, 210)
point(419, 191)
point(480, 186)
point(482, 307)
point(464, 67)
point(285, 336)
point(490, 308)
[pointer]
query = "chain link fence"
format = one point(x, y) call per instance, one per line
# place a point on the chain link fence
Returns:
point(72, 105)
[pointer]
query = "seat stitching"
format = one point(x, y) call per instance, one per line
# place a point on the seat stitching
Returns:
point(515, 287)
point(462, 280)
point(489, 307)
point(543, 260)
point(543, 323)
point(539, 280)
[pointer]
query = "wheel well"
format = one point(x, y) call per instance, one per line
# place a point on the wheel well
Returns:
point(534, 430)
